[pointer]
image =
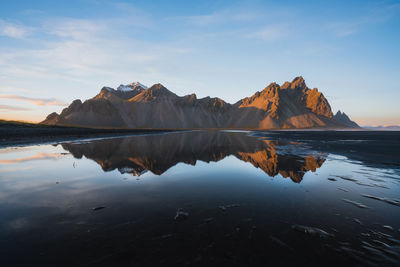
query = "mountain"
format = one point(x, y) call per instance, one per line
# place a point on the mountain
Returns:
point(132, 86)
point(158, 153)
point(345, 120)
point(292, 105)
point(383, 128)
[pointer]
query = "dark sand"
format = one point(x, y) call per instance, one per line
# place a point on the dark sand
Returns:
point(21, 134)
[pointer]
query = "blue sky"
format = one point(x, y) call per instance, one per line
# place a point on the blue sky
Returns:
point(52, 53)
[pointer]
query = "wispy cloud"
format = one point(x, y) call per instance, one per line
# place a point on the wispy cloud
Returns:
point(379, 13)
point(36, 101)
point(13, 108)
point(13, 30)
point(77, 29)
point(221, 17)
point(85, 53)
point(270, 33)
point(344, 29)
point(204, 20)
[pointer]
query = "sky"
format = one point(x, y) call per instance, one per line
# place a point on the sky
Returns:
point(52, 52)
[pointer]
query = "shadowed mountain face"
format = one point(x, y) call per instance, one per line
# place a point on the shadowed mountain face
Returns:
point(158, 153)
point(344, 119)
point(292, 105)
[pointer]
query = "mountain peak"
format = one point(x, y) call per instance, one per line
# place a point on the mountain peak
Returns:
point(106, 88)
point(272, 90)
point(298, 83)
point(159, 90)
point(132, 86)
point(154, 92)
point(136, 84)
point(158, 86)
point(344, 119)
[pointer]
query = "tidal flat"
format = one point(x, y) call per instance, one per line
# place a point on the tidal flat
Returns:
point(237, 198)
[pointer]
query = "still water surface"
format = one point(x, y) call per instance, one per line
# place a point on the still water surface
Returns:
point(203, 197)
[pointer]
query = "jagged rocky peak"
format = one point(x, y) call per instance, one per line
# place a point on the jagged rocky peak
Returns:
point(123, 92)
point(155, 92)
point(157, 86)
point(75, 103)
point(272, 90)
point(261, 99)
point(317, 102)
point(105, 92)
point(108, 89)
point(191, 97)
point(342, 118)
point(132, 86)
point(159, 89)
point(297, 83)
point(52, 116)
point(214, 102)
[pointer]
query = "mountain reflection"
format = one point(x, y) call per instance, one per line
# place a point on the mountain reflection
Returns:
point(157, 153)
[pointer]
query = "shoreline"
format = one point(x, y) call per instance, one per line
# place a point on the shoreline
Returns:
point(32, 134)
point(24, 134)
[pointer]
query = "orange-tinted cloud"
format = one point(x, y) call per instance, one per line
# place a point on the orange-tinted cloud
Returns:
point(37, 101)
point(14, 108)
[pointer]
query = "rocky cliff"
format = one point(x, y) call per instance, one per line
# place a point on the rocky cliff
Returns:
point(292, 105)
point(342, 118)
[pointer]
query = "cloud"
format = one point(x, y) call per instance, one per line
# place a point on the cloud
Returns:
point(377, 14)
point(13, 30)
point(77, 29)
point(36, 101)
point(221, 17)
point(84, 53)
point(344, 29)
point(270, 33)
point(204, 20)
point(14, 108)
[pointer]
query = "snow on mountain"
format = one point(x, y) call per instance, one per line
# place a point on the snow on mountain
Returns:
point(131, 86)
point(139, 84)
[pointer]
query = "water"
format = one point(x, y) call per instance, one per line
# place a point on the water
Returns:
point(203, 197)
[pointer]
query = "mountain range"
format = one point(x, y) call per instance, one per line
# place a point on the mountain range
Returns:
point(383, 127)
point(291, 105)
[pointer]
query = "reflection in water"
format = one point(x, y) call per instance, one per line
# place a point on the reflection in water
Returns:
point(58, 208)
point(158, 153)
point(38, 156)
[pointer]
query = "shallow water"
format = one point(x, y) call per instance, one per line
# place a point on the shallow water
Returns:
point(203, 197)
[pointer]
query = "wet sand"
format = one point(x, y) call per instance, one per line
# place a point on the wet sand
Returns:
point(22, 134)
